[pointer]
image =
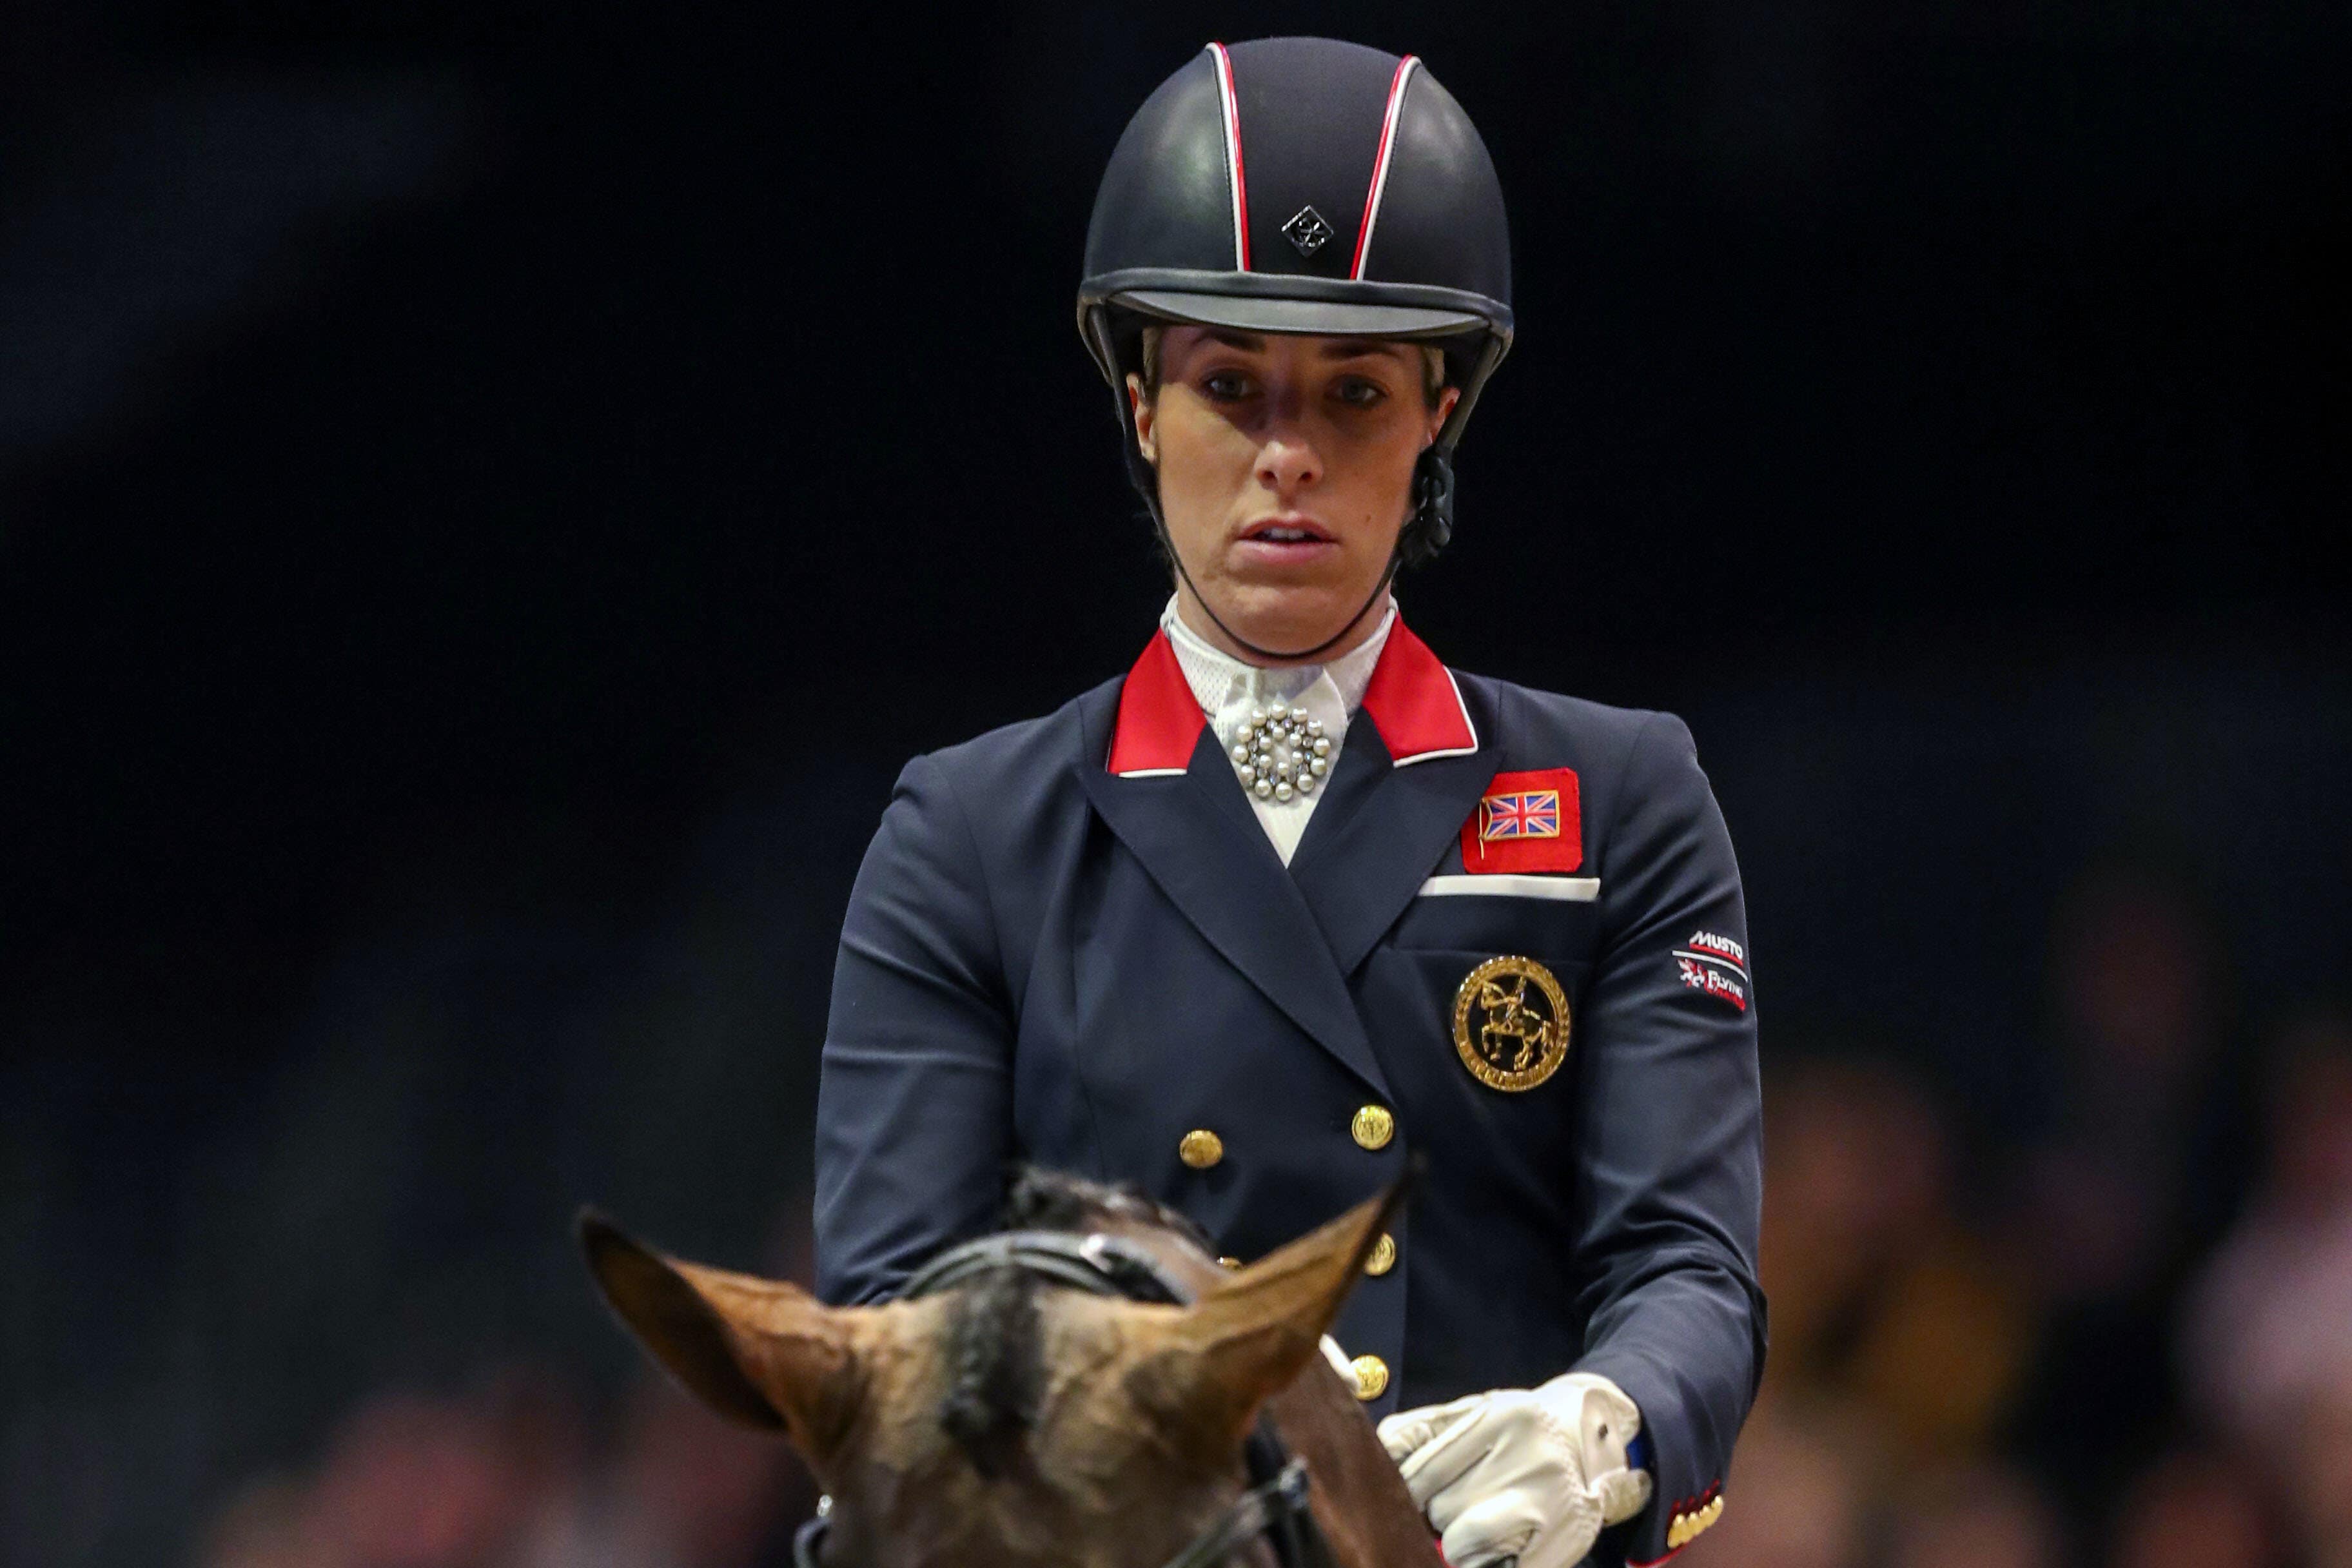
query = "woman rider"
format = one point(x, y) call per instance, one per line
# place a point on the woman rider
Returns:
point(1292, 897)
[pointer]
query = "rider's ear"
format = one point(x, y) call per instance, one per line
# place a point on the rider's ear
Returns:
point(760, 1351)
point(1143, 411)
point(1216, 1362)
point(1440, 414)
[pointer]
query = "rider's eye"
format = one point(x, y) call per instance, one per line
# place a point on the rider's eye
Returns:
point(1225, 385)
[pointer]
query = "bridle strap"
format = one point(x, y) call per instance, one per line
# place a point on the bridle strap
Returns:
point(1271, 1509)
point(1276, 1505)
point(1098, 1265)
point(1276, 1508)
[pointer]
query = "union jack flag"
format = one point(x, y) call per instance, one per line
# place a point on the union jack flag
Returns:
point(1528, 814)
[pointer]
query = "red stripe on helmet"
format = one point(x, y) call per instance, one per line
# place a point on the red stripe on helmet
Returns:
point(1233, 154)
point(1381, 165)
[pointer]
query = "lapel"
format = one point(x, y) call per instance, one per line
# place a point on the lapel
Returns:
point(1359, 877)
point(1410, 775)
point(1182, 812)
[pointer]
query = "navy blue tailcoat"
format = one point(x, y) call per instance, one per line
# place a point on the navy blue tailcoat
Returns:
point(1072, 943)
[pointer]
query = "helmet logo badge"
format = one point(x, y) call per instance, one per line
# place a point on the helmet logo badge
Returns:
point(1307, 231)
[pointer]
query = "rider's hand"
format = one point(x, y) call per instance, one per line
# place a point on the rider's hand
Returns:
point(1530, 1473)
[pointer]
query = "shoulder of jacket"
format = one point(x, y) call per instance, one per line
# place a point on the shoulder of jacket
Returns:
point(1599, 728)
point(1021, 753)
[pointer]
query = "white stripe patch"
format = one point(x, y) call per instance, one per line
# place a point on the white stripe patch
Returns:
point(1569, 889)
point(1381, 163)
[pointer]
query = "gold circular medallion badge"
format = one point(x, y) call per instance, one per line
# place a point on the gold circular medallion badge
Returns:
point(1510, 1024)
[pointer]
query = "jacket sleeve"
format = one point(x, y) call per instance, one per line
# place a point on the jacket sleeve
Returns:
point(914, 1129)
point(1670, 1130)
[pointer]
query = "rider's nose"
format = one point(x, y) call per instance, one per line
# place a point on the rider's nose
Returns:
point(1287, 462)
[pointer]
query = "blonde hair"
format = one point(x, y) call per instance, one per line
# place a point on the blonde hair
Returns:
point(1433, 366)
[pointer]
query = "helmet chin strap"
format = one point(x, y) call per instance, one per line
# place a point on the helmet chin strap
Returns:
point(1276, 655)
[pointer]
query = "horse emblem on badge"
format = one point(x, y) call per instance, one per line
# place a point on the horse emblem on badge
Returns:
point(1510, 1024)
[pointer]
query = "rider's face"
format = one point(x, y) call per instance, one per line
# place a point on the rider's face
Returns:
point(1285, 468)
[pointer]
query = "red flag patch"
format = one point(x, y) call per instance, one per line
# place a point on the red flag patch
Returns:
point(1525, 821)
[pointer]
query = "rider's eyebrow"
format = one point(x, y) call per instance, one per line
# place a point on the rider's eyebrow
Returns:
point(1362, 348)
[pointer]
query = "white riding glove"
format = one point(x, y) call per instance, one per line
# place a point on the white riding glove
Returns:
point(1527, 1473)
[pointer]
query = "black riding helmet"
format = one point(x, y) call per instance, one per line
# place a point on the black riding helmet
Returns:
point(1304, 186)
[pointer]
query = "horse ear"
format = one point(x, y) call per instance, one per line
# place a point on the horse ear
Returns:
point(1220, 1358)
point(760, 1351)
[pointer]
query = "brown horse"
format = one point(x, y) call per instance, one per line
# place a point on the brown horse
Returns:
point(1011, 1419)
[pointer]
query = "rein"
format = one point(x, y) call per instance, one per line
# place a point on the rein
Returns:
point(1274, 1506)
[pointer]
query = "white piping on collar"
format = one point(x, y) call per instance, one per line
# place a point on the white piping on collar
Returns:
point(1467, 722)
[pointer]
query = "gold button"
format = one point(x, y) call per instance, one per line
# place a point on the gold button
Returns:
point(1229, 1263)
point(1200, 1149)
point(1383, 1258)
point(1371, 1376)
point(1686, 1527)
point(1373, 1127)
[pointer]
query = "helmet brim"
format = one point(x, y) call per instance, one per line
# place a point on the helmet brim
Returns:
point(1320, 318)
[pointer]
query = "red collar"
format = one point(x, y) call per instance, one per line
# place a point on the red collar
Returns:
point(1159, 720)
point(1411, 699)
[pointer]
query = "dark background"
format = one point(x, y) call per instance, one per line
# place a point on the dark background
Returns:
point(490, 495)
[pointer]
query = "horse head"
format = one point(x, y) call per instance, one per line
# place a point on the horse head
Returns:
point(1008, 1422)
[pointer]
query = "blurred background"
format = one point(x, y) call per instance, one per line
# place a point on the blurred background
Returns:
point(490, 494)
